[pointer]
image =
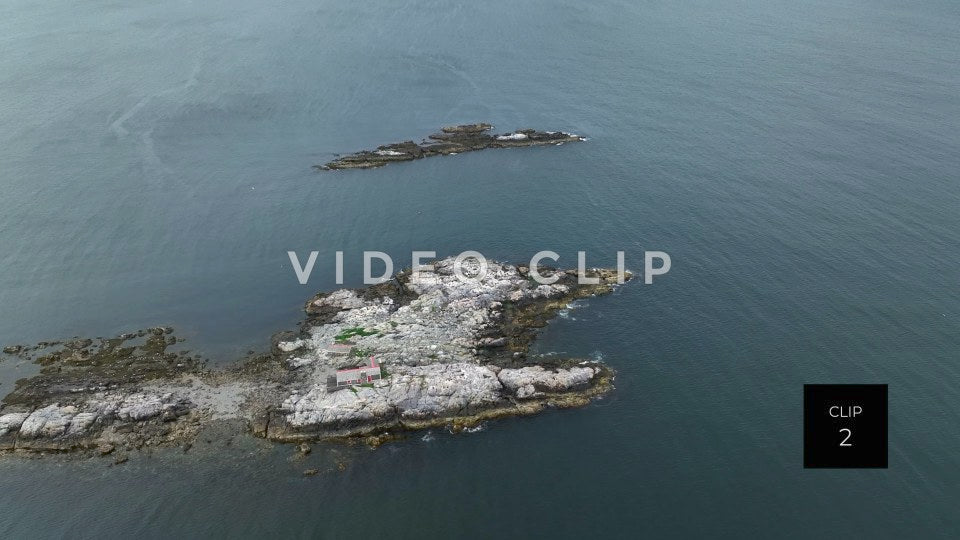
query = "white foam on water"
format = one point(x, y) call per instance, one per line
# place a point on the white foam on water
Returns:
point(476, 429)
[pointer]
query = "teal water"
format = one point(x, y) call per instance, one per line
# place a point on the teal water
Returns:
point(798, 160)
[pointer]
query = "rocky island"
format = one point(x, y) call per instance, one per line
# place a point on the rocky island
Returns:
point(449, 141)
point(449, 353)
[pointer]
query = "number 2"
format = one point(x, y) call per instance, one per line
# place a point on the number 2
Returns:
point(847, 438)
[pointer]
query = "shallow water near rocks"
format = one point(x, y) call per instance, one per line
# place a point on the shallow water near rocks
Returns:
point(797, 160)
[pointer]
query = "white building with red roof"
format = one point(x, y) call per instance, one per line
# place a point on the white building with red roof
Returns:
point(360, 375)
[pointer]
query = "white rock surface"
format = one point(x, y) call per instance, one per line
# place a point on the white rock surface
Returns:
point(55, 421)
point(433, 390)
point(526, 378)
point(410, 392)
point(11, 422)
point(50, 421)
point(444, 324)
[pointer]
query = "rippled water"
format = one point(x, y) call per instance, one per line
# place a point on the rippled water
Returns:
point(797, 159)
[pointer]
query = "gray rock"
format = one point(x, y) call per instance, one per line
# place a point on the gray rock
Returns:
point(524, 379)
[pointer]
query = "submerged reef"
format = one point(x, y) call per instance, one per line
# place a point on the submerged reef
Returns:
point(449, 353)
point(449, 141)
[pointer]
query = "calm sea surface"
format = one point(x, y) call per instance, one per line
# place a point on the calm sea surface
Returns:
point(798, 160)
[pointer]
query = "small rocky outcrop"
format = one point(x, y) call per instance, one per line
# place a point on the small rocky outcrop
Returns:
point(450, 140)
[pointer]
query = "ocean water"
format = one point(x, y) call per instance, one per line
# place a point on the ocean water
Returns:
point(798, 160)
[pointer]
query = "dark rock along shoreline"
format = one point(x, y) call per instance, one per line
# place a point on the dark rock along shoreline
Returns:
point(454, 355)
point(449, 141)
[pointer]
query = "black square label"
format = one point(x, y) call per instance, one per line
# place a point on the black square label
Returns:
point(845, 426)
